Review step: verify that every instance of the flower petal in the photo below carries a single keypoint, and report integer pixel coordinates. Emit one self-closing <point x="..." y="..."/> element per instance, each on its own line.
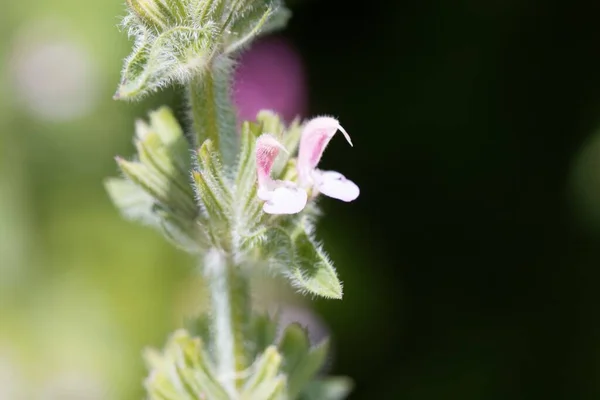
<point x="281" y="197"/>
<point x="334" y="184"/>
<point x="267" y="149"/>
<point x="315" y="136"/>
<point x="285" y="199"/>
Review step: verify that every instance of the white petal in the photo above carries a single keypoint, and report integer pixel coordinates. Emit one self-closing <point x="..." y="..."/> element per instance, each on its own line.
<point x="334" y="184"/>
<point x="264" y="192"/>
<point x="286" y="200"/>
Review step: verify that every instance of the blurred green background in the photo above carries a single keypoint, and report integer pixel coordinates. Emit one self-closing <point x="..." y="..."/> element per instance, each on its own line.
<point x="470" y="261"/>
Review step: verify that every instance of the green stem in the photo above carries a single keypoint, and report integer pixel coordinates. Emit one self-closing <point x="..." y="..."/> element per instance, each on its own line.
<point x="212" y="111"/>
<point x="230" y="297"/>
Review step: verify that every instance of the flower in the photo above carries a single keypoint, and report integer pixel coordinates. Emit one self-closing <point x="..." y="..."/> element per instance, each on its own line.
<point x="281" y="197"/>
<point x="316" y="135"/>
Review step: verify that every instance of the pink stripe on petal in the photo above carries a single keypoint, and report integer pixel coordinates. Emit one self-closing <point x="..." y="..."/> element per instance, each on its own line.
<point x="267" y="150"/>
<point x="315" y="137"/>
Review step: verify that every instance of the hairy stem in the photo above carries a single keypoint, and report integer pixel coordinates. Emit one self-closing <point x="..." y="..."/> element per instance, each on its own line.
<point x="229" y="316"/>
<point x="212" y="111"/>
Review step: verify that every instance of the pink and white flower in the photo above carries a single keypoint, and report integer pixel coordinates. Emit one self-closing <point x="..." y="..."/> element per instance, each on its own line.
<point x="280" y="197"/>
<point x="316" y="135"/>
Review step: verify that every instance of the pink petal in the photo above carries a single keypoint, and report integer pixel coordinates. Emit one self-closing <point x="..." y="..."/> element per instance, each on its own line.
<point x="315" y="136"/>
<point x="334" y="184"/>
<point x="286" y="199"/>
<point x="281" y="197"/>
<point x="267" y="149"/>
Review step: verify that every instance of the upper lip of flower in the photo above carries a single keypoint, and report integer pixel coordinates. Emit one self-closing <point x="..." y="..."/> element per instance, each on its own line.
<point x="315" y="137"/>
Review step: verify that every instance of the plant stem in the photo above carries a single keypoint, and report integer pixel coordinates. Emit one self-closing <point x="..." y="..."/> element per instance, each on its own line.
<point x="230" y="309"/>
<point x="212" y="111"/>
<point x="214" y="118"/>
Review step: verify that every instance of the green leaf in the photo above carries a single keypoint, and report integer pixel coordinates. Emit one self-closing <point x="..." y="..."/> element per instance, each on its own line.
<point x="133" y="203"/>
<point x="307" y="368"/>
<point x="135" y="75"/>
<point x="250" y="206"/>
<point x="312" y="271"/>
<point x="263" y="330"/>
<point x="211" y="188"/>
<point x="171" y="134"/>
<point x="185" y="233"/>
<point x="331" y="388"/>
<point x="194" y="365"/>
<point x="182" y="371"/>
<point x="271" y="245"/>
<point x="165" y="147"/>
<point x="137" y="205"/>
<point x="301" y="363"/>
<point x="155" y="13"/>
<point x="243" y="35"/>
<point x="210" y="201"/>
<point x="161" y="188"/>
<point x="259" y="18"/>
<point x="157" y="158"/>
<point x="280" y="249"/>
<point x="271" y="122"/>
<point x="278" y="20"/>
<point x="274" y="389"/>
<point x="294" y="345"/>
<point x="174" y="56"/>
<point x="279" y="391"/>
<point x="158" y="191"/>
<point x="263" y="381"/>
<point x="209" y="163"/>
<point x="178" y="10"/>
<point x="209" y="10"/>
<point x="298" y="258"/>
<point x="246" y="164"/>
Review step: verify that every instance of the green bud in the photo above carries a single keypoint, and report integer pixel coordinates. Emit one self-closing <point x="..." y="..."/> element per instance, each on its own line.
<point x="158" y="190"/>
<point x="264" y="378"/>
<point x="157" y="14"/>
<point x="263" y="330"/>
<point x="282" y="371"/>
<point x="174" y="56"/>
<point x="177" y="40"/>
<point x="182" y="371"/>
<point x="301" y="362"/>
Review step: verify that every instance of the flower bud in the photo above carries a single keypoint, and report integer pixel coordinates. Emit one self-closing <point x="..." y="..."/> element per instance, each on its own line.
<point x="177" y="40"/>
<point x="158" y="14"/>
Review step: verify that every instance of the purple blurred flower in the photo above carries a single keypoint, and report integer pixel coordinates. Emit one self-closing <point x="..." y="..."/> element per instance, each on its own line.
<point x="270" y="76"/>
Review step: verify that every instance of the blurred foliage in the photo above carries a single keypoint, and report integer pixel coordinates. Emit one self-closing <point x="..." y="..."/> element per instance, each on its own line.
<point x="82" y="291"/>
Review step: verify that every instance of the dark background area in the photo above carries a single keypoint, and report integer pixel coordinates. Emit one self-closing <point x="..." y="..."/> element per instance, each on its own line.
<point x="478" y="279"/>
